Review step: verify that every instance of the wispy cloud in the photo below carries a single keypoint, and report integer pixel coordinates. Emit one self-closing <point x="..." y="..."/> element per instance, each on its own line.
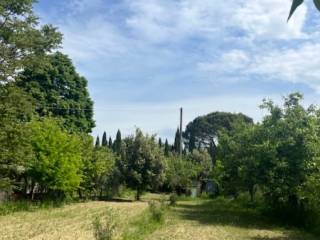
<point x="186" y="52"/>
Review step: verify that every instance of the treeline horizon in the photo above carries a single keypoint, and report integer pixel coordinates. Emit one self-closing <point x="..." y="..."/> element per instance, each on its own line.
<point x="47" y="152"/>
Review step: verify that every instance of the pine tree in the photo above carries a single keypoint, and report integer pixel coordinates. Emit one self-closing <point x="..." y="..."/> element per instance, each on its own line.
<point x="110" y="143"/>
<point x="176" y="146"/>
<point x="117" y="143"/>
<point x="166" y="148"/>
<point x="104" y="140"/>
<point x="160" y="143"/>
<point x="97" y="142"/>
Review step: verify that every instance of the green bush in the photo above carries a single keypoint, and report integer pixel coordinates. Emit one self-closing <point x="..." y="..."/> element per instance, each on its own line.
<point x="105" y="229"/>
<point x="157" y="210"/>
<point x="9" y="207"/>
<point x="147" y="222"/>
<point x="173" y="199"/>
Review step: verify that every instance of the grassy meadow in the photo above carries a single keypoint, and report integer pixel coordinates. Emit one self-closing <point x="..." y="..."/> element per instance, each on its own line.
<point x="187" y="220"/>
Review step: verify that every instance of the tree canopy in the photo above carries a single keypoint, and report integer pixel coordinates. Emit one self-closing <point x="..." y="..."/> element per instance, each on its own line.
<point x="143" y="162"/>
<point x="59" y="91"/>
<point x="22" y="41"/>
<point x="203" y="131"/>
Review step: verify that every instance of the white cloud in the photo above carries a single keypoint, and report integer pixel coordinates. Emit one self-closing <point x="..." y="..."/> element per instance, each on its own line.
<point x="296" y="65"/>
<point x="166" y="20"/>
<point x="293" y="65"/>
<point x="229" y="61"/>
<point x="91" y="39"/>
<point x="267" y="19"/>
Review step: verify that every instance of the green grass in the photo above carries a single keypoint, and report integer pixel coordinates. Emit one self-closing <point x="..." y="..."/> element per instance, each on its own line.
<point x="147" y="222"/>
<point x="223" y="219"/>
<point x="8" y="207"/>
<point x="204" y="219"/>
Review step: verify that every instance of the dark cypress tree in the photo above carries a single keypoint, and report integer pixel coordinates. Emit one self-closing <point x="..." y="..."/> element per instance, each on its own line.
<point x="166" y="148"/>
<point x="104" y="140"/>
<point x="192" y="142"/>
<point x="176" y="146"/>
<point x="117" y="143"/>
<point x="160" y="143"/>
<point x="97" y="142"/>
<point x="110" y="142"/>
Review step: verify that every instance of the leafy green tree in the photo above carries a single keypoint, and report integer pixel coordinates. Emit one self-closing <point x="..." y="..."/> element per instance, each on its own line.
<point x="202" y="162"/>
<point x="280" y="154"/>
<point x="117" y="143"/>
<point x="16" y="109"/>
<point x="87" y="148"/>
<point x="160" y="142"/>
<point x="180" y="173"/>
<point x="55" y="169"/>
<point x="239" y="152"/>
<point x="203" y="131"/>
<point x="293" y="130"/>
<point x="103" y="163"/>
<point x="97" y="142"/>
<point x="110" y="143"/>
<point x="166" y="148"/>
<point x="22" y="41"/>
<point x="59" y="91"/>
<point x="192" y="142"/>
<point x="104" y="140"/>
<point x="176" y="145"/>
<point x="143" y="165"/>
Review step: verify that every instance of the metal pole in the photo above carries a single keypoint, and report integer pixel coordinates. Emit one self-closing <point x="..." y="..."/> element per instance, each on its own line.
<point x="180" y="147"/>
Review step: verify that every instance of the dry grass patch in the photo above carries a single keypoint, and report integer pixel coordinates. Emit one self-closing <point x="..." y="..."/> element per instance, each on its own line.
<point x="70" y="222"/>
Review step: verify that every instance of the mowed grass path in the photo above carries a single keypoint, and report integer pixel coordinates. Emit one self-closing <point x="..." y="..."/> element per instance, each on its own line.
<point x="217" y="220"/>
<point x="189" y="220"/>
<point x="72" y="222"/>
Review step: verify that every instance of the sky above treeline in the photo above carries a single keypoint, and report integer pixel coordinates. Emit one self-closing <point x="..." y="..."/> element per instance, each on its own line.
<point x="144" y="59"/>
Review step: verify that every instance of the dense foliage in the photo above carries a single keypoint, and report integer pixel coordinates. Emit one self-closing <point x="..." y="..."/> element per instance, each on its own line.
<point x="142" y="163"/>
<point x="202" y="133"/>
<point x="280" y="157"/>
<point x="22" y="41"/>
<point x="59" y="91"/>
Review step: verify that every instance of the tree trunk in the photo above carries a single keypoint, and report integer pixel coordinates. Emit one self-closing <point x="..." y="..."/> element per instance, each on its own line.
<point x="79" y="193"/>
<point x="32" y="190"/>
<point x="138" y="194"/>
<point x="252" y="193"/>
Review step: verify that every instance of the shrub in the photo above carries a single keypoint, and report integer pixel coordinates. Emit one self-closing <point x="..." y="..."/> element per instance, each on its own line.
<point x="105" y="230"/>
<point x="173" y="199"/>
<point x="157" y="210"/>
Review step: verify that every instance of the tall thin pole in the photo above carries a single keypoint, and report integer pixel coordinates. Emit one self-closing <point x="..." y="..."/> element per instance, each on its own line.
<point x="180" y="145"/>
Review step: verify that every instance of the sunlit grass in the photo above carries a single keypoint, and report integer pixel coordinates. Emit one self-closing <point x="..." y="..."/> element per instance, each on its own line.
<point x="222" y="220"/>
<point x="72" y="221"/>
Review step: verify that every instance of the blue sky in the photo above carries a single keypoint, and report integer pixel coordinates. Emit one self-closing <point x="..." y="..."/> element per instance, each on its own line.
<point x="145" y="58"/>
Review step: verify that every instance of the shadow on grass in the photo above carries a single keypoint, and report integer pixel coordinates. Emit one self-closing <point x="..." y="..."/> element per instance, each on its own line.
<point x="222" y="212"/>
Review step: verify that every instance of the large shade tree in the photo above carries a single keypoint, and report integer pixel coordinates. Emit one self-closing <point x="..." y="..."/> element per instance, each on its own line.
<point x="203" y="132"/>
<point x="16" y="109"/>
<point x="22" y="41"/>
<point x="60" y="92"/>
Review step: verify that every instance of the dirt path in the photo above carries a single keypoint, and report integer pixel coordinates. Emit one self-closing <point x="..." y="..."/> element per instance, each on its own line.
<point x="206" y="221"/>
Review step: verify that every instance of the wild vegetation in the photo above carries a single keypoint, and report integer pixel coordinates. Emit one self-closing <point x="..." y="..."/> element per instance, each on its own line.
<point x="48" y="157"/>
